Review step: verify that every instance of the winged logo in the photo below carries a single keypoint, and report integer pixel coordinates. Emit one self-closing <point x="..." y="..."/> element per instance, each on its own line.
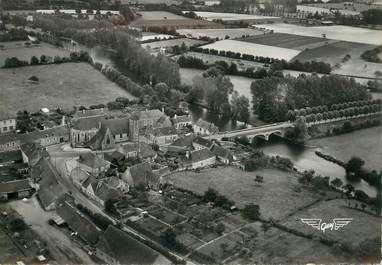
<point x="317" y="223"/>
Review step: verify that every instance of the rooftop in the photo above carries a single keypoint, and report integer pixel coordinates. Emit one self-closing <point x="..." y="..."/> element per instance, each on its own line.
<point x="14" y="186"/>
<point x="92" y="160"/>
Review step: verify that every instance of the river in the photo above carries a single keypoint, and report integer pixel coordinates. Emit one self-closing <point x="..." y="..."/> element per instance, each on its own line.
<point x="364" y="143"/>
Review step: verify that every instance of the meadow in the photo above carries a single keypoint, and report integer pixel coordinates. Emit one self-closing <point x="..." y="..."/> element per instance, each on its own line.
<point x="219" y="33"/>
<point x="64" y="85"/>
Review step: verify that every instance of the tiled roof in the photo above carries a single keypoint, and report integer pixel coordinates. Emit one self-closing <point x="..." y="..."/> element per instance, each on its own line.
<point x="200" y="155"/>
<point x="207" y="126"/>
<point x="58" y="131"/>
<point x="221" y="152"/>
<point x="8" y="137"/>
<point x="95" y="142"/>
<point x="92" y="160"/>
<point x="90" y="123"/>
<point x="145" y="150"/>
<point x="183" y="141"/>
<point x="104" y="192"/>
<point x="34" y="151"/>
<point x="202" y="141"/>
<point x="117" y="126"/>
<point x="147" y="114"/>
<point x="88" y="113"/>
<point x="182" y="118"/>
<point x="163" y="131"/>
<point x="10" y="156"/>
<point x="14" y="186"/>
<point x="78" y="222"/>
<point x="125" y="249"/>
<point x="140" y="173"/>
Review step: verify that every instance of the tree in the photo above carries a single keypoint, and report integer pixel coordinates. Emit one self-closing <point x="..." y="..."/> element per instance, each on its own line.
<point x="210" y="195"/>
<point x="251" y="212"/>
<point x="34" y="60"/>
<point x="336" y="183"/>
<point x="240" y="107"/>
<point x="354" y="165"/>
<point x="219" y="228"/>
<point x="168" y="238"/>
<point x="24" y="121"/>
<point x="299" y="133"/>
<point x="17" y="225"/>
<point x="109" y="207"/>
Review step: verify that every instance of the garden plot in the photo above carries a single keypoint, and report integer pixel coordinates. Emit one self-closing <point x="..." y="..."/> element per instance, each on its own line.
<point x="219" y="33"/>
<point x="253" y="49"/>
<point x="343" y="33"/>
<point x="279" y="195"/>
<point x="230" y="16"/>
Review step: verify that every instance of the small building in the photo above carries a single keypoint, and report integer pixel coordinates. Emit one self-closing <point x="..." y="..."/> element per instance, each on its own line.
<point x="182" y="121"/>
<point x="9" y="142"/>
<point x="163" y="135"/>
<point x="138" y="175"/>
<point x="7" y="124"/>
<point x="143" y="151"/>
<point x="202" y="127"/>
<point x="81" y="225"/>
<point x="10" y="158"/>
<point x="222" y="154"/>
<point x="181" y="145"/>
<point x="200" y="143"/>
<point x="32" y="153"/>
<point x="92" y="163"/>
<point x="17" y="189"/>
<point x="56" y="135"/>
<point x="198" y="159"/>
<point x="117" y="247"/>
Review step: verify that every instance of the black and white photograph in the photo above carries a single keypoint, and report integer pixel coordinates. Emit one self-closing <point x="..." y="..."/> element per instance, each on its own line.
<point x="190" y="132"/>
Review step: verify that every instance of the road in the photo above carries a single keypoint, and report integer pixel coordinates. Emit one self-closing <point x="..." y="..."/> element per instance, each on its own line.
<point x="62" y="248"/>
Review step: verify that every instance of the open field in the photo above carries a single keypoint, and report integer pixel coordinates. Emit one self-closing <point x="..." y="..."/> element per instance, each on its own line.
<point x="278" y="196"/>
<point x="64" y="85"/>
<point x="343" y="33"/>
<point x="9" y="253"/>
<point x="219" y="33"/>
<point x="288" y="41"/>
<point x="19" y="50"/>
<point x="173" y="42"/>
<point x="253" y="49"/>
<point x="231" y="16"/>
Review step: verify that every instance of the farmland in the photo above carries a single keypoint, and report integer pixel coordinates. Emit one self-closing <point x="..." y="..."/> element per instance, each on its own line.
<point x="231" y="16"/>
<point x="342" y="33"/>
<point x="173" y="42"/>
<point x="253" y="49"/>
<point x="157" y="15"/>
<point x="288" y="41"/>
<point x="219" y="33"/>
<point x="63" y="85"/>
<point x="19" y="50"/>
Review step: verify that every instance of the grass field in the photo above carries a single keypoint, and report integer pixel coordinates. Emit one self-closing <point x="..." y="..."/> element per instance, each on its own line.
<point x="288" y="41"/>
<point x="19" y="50"/>
<point x="64" y="85"/>
<point x="155" y="15"/>
<point x="278" y="196"/>
<point x="342" y="33"/>
<point x="173" y="42"/>
<point x="219" y="33"/>
<point x="363" y="227"/>
<point x="253" y="49"/>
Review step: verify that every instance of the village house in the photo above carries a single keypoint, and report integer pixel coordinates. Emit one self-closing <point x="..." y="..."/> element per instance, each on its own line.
<point x="200" y="143"/>
<point x="10" y="158"/>
<point x="7" y="124"/>
<point x="92" y="163"/>
<point x="114" y="158"/>
<point x="116" y="247"/>
<point x="222" y="154"/>
<point x="197" y="159"/>
<point x="84" y="228"/>
<point x="56" y="135"/>
<point x="202" y="127"/>
<point x="182" y="121"/>
<point x="49" y="190"/>
<point x="163" y="135"/>
<point x="9" y="142"/>
<point x="181" y="145"/>
<point x="17" y="189"/>
<point x="32" y="153"/>
<point x="141" y="150"/>
<point x="138" y="175"/>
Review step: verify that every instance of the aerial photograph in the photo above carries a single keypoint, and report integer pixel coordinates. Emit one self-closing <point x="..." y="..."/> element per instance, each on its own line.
<point x="190" y="132"/>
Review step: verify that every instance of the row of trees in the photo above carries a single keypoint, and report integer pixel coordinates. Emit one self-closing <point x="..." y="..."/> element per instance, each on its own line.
<point x="372" y="55"/>
<point x="14" y="35"/>
<point x="14" y="62"/>
<point x="313" y="66"/>
<point x="274" y="96"/>
<point x="348" y="112"/>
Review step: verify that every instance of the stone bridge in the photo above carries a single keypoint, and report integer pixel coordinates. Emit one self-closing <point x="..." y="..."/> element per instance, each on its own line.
<point x="263" y="132"/>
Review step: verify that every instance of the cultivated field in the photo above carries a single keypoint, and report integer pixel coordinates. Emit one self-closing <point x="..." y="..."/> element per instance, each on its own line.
<point x="253" y="49"/>
<point x="343" y="33"/>
<point x="231" y="16"/>
<point x="63" y="85"/>
<point x="173" y="42"/>
<point x="19" y="50"/>
<point x="156" y="15"/>
<point x="219" y="33"/>
<point x="288" y="41"/>
<point x="278" y="196"/>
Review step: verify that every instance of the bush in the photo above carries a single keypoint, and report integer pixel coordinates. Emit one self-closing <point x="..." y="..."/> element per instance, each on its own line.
<point x="17" y="225"/>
